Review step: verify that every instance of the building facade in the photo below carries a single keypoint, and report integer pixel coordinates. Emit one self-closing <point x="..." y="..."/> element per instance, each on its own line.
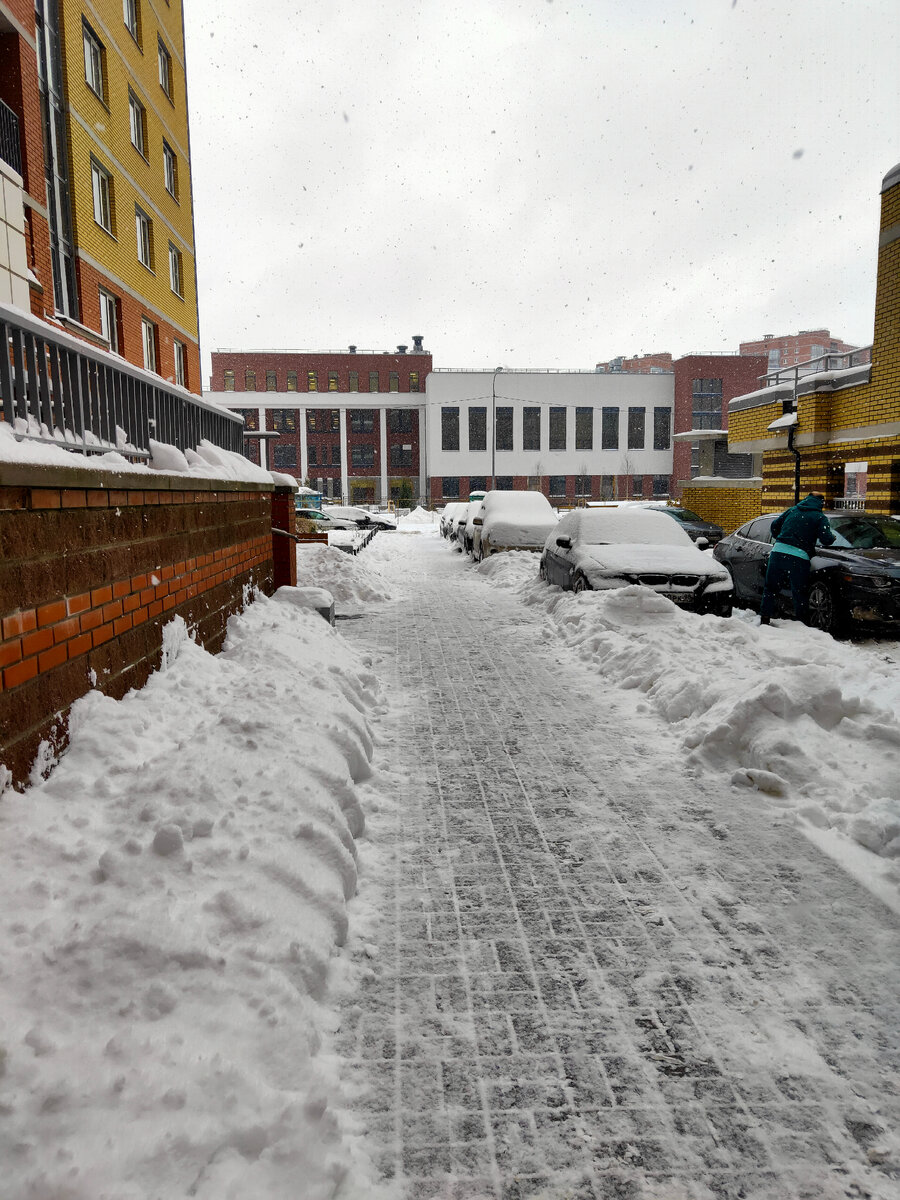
<point x="791" y="349"/>
<point x="348" y="422"/>
<point x="99" y="96"/>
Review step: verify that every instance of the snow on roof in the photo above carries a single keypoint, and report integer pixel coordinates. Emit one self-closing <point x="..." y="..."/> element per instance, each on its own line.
<point x="516" y="504"/>
<point x="784" y="422"/>
<point x="647" y="526"/>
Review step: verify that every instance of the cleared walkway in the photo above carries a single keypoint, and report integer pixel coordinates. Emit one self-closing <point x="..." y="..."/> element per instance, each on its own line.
<point x="598" y="978"/>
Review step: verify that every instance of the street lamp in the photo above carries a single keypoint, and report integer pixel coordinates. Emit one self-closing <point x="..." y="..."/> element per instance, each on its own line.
<point x="494" y="427"/>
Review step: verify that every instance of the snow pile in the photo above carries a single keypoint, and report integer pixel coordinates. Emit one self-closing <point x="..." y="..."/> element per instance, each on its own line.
<point x="811" y="723"/>
<point x="172" y="896"/>
<point x="354" y="581"/>
<point x="420" y="516"/>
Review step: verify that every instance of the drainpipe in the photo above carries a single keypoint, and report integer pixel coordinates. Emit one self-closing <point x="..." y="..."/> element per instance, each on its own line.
<point x="796" y="453"/>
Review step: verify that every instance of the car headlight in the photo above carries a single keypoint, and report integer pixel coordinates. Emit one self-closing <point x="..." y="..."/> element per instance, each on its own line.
<point x="872" y="581"/>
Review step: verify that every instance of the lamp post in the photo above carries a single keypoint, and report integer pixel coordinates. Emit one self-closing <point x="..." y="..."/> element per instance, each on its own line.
<point x="494" y="427"/>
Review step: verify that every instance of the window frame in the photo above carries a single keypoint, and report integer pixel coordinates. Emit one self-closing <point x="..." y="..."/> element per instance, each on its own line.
<point x="362" y="451"/>
<point x="109" y="303"/>
<point x="132" y="8"/>
<point x="164" y="60"/>
<point x="531" y="418"/>
<point x="95" y="65"/>
<point x="558" y="413"/>
<point x="504" y="422"/>
<point x="179" y="350"/>
<point x="149" y="334"/>
<point x="662" y="428"/>
<point x="137" y="120"/>
<point x="271" y="381"/>
<point x="143" y="232"/>
<point x="170" y="160"/>
<point x="477" y="428"/>
<point x="637" y="420"/>
<point x="99" y="174"/>
<point x="449" y="417"/>
<point x="176" y="271"/>
<point x="584" y="428"/>
<point x="610" y="416"/>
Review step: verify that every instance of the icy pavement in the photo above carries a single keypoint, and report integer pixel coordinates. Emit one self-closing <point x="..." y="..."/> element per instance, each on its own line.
<point x="599" y="973"/>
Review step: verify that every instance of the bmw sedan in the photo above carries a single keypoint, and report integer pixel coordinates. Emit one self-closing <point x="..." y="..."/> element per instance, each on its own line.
<point x="693" y="525"/>
<point x="597" y="548"/>
<point x="855" y="580"/>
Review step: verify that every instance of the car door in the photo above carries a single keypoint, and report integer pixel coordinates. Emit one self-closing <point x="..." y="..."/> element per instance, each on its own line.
<point x="558" y="566"/>
<point x="756" y="557"/>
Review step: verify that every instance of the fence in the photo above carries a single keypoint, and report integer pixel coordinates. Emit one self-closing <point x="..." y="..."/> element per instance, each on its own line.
<point x="60" y="391"/>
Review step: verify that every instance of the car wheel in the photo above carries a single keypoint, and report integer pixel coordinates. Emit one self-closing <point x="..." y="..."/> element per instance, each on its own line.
<point x="581" y="584"/>
<point x="824" y="612"/>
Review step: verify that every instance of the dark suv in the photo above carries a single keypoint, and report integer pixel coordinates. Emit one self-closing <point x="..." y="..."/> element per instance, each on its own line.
<point x="857" y="579"/>
<point x="694" y="526"/>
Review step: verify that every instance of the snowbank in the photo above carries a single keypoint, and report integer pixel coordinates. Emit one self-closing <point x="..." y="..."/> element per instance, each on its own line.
<point x="172" y="896"/>
<point x="419" y="516"/>
<point x="355" y="582"/>
<point x="807" y="723"/>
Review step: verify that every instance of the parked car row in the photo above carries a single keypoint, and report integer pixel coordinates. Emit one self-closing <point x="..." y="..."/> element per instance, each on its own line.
<point x="342" y="516"/>
<point x="854" y="582"/>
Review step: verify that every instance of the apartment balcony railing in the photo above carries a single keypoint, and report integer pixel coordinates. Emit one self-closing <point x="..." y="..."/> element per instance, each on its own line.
<point x="818" y="365"/>
<point x="850" y="503"/>
<point x="59" y="391"/>
<point x="10" y="146"/>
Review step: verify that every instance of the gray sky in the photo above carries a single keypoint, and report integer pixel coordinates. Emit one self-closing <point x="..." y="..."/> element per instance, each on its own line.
<point x="540" y="183"/>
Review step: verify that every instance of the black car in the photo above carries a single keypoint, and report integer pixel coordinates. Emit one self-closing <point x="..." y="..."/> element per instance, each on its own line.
<point x="692" y="525"/>
<point x="857" y="579"/>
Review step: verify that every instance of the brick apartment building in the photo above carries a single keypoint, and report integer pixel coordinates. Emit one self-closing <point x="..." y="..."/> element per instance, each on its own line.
<point x="94" y="122"/>
<point x="348" y="421"/>
<point x="791" y="349"/>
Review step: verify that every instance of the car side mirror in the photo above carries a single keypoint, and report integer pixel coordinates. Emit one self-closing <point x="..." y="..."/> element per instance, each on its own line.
<point x="477" y="521"/>
<point x="701" y="543"/>
<point x="565" y="542"/>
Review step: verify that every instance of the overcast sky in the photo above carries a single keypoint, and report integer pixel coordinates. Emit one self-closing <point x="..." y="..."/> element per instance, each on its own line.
<point x="538" y="183"/>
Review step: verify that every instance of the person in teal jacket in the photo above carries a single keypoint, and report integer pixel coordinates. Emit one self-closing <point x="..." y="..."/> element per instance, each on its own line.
<point x="796" y="532"/>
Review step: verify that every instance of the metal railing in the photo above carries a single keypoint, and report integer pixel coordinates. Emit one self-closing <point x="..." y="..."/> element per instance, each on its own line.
<point x="10" y="145"/>
<point x="850" y="503"/>
<point x="861" y="356"/>
<point x="59" y="391"/>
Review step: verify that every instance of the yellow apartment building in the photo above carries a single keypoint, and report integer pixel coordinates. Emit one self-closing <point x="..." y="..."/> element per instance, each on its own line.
<point x="129" y="180"/>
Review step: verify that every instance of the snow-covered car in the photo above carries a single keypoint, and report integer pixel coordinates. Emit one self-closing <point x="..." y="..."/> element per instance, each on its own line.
<point x="512" y="521"/>
<point x="467" y="533"/>
<point x="447" y="517"/>
<point x="463" y="515"/>
<point x="363" y="518"/>
<point x="323" y="521"/>
<point x="598" y="548"/>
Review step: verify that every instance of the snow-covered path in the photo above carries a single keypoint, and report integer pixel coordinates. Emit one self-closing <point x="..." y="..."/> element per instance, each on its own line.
<point x="599" y="974"/>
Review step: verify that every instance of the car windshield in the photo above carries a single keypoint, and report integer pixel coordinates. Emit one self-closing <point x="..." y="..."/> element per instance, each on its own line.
<point x="855" y="532"/>
<point x="682" y="514"/>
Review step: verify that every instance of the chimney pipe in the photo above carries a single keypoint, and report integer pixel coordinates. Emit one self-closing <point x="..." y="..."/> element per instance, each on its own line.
<point x="401" y="349"/>
<point x="418" y="338"/>
<point x="352" y="349"/>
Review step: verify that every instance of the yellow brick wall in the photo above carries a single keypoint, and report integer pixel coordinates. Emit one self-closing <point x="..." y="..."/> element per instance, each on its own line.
<point x="729" y="507"/>
<point x="102" y="129"/>
<point x="752" y="423"/>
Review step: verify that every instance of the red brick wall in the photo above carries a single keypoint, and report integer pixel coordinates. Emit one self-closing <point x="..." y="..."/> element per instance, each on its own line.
<point x="92" y="565"/>
<point x="343" y="363"/>
<point x="131" y="346"/>
<point x="739" y="374"/>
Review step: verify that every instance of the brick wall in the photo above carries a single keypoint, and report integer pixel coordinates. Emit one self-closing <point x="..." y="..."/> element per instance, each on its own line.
<point x="729" y="506"/>
<point x="93" y="565"/>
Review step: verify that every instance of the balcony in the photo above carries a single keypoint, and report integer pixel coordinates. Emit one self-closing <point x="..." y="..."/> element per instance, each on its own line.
<point x="10" y="146"/>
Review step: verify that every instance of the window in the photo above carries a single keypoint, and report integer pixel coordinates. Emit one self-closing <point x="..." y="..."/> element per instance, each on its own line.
<point x="109" y="319"/>
<point x="477" y="483"/>
<point x="584" y="429"/>
<point x="414" y="381"/>
<point x="583" y="485"/>
<point x="395" y="382"/>
<point x="504" y="428"/>
<point x="271" y="382"/>
<point x="557" y="485"/>
<point x="662" y="428"/>
<point x="143" y="228"/>
<point x="131" y="17"/>
<point x="148" y="336"/>
<point x="450" y="485"/>
<point x="531" y="429"/>
<point x="251" y="417"/>
<point x="180" y="363"/>
<point x="101" y="183"/>
<point x="284" y="420"/>
<point x="661" y="484"/>
<point x="94" y="61"/>
<point x="400" y="421"/>
<point x="478" y="429"/>
<point x="249" y="381"/>
<point x="165" y="68"/>
<point x="311" y="422"/>
<point x="312" y="455"/>
<point x="335" y="456"/>
<point x="609" y="437"/>
<point x="176" y="280"/>
<point x="335" y="419"/>
<point x="504" y="483"/>
<point x="557" y="429"/>
<point x="607" y="487"/>
<point x="401" y="455"/>
<point x="450" y="435"/>
<point x="284" y="456"/>
<point x="354" y="381"/>
<point x="373" y="381"/>
<point x="362" y="421"/>
<point x="137" y="116"/>
<point x="312" y="381"/>
<point x="229" y="381"/>
<point x="706" y="404"/>
<point x="170" y="170"/>
<point x="636" y="428"/>
<point x="362" y="456"/>
<point x="292" y="381"/>
<point x="637" y="485"/>
<point x="332" y="381"/>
